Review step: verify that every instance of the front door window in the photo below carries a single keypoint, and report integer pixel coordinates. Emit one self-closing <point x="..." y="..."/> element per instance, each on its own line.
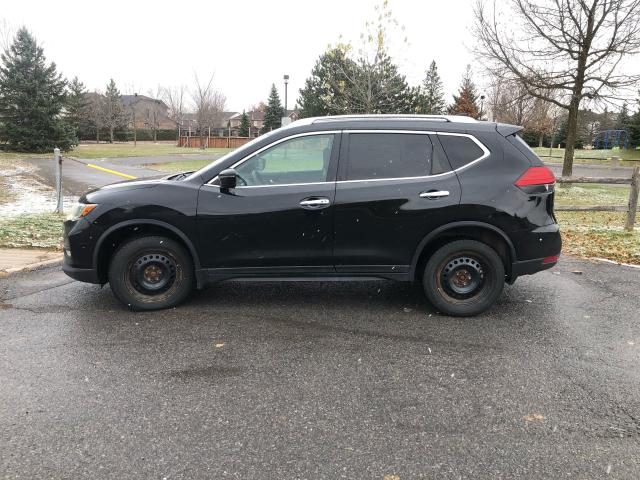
<point x="298" y="160"/>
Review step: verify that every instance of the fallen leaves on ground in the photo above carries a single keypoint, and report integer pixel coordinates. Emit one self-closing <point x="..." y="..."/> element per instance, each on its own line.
<point x="533" y="417"/>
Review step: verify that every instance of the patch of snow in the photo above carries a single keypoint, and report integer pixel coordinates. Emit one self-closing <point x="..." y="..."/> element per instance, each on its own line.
<point x="31" y="196"/>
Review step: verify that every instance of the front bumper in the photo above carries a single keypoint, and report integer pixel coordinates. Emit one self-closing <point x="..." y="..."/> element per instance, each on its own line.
<point x="88" y="275"/>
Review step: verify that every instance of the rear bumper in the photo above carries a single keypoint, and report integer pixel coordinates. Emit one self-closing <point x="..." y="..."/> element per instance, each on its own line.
<point x="88" y="275"/>
<point x="529" y="267"/>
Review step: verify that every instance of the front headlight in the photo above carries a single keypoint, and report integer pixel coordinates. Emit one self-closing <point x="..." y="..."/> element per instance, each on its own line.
<point x="80" y="210"/>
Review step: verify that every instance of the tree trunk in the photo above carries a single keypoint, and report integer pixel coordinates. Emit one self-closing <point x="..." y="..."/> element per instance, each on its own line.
<point x="155" y="135"/>
<point x="110" y="134"/>
<point x="572" y="123"/>
<point x="541" y="140"/>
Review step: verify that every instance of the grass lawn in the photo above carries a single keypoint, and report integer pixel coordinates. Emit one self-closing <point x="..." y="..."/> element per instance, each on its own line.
<point x="587" y="156"/>
<point x="143" y="149"/>
<point x="589" y="194"/>
<point x="32" y="231"/>
<point x="182" y="166"/>
<point x="599" y="234"/>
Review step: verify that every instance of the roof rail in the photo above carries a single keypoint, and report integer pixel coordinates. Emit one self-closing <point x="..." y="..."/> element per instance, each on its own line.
<point x="438" y="118"/>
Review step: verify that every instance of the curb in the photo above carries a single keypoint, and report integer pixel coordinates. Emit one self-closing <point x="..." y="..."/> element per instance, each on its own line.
<point x="613" y="262"/>
<point x="30" y="267"/>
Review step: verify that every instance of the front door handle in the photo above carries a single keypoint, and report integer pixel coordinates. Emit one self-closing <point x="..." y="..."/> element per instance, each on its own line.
<point x="433" y="194"/>
<point x="315" y="203"/>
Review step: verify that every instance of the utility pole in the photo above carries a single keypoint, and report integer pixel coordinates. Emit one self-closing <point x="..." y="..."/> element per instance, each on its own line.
<point x="133" y="110"/>
<point x="57" y="159"/>
<point x="285" y="117"/>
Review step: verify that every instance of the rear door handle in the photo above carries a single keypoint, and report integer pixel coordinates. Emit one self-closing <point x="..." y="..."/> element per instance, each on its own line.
<point x="315" y="203"/>
<point x="433" y="194"/>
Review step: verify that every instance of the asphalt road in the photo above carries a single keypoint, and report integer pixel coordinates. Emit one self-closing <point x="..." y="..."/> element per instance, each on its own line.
<point x="79" y="178"/>
<point x="318" y="380"/>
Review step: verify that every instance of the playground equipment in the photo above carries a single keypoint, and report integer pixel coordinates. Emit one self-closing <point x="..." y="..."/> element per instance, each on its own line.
<point x="611" y="138"/>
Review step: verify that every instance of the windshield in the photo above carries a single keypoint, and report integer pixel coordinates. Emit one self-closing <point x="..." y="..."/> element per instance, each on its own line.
<point x="246" y="147"/>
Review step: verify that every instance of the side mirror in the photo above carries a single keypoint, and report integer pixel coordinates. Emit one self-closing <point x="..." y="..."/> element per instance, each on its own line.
<point x="228" y="178"/>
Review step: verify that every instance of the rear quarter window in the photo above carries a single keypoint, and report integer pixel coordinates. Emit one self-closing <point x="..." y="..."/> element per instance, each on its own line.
<point x="523" y="148"/>
<point x="460" y="150"/>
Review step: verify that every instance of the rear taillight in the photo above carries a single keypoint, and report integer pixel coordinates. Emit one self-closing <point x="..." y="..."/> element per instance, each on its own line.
<point x="535" y="176"/>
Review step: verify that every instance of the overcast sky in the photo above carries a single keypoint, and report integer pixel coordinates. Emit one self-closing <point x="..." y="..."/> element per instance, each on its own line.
<point x="247" y="45"/>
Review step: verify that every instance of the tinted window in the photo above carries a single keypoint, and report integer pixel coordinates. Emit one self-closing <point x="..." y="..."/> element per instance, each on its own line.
<point x="439" y="162"/>
<point x="388" y="155"/>
<point x="299" y="160"/>
<point x="460" y="150"/>
<point x="521" y="145"/>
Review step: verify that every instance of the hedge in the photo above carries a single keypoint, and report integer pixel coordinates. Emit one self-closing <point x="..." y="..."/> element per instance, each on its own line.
<point x="127" y="135"/>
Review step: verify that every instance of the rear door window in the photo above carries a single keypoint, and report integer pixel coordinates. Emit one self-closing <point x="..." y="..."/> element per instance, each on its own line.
<point x="460" y="150"/>
<point x="388" y="155"/>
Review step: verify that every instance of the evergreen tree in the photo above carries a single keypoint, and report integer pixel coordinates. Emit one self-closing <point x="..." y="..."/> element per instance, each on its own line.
<point x="114" y="115"/>
<point x="560" y="135"/>
<point x="465" y="103"/>
<point x="274" y="112"/>
<point x="378" y="87"/>
<point x="32" y="96"/>
<point x="324" y="92"/>
<point x="633" y="128"/>
<point x="244" y="124"/>
<point x="623" y="118"/>
<point x="431" y="99"/>
<point x="76" y="110"/>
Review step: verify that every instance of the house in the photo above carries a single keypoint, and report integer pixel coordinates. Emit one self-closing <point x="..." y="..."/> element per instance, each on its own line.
<point x="256" y="121"/>
<point x="219" y="125"/>
<point x="148" y="111"/>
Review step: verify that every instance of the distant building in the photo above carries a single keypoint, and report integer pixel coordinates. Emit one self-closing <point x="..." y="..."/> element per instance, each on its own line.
<point x="256" y="121"/>
<point x="148" y="111"/>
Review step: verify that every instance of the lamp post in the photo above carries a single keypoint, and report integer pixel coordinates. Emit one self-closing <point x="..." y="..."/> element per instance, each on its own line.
<point x="133" y="111"/>
<point x="286" y="83"/>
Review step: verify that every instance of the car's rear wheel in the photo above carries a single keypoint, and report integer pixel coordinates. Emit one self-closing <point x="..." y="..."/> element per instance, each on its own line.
<point x="151" y="273"/>
<point x="463" y="278"/>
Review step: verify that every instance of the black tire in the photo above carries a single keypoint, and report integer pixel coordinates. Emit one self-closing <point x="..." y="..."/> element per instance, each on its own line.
<point x="151" y="273"/>
<point x="463" y="278"/>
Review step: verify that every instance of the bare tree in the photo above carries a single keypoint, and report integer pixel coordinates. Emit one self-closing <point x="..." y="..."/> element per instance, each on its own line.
<point x="155" y="111"/>
<point x="562" y="51"/>
<point x="208" y="104"/>
<point x="6" y="34"/>
<point x="95" y="112"/>
<point x="175" y="99"/>
<point x="510" y="102"/>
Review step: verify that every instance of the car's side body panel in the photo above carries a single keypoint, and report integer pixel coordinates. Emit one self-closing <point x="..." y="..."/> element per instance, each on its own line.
<point x="370" y="228"/>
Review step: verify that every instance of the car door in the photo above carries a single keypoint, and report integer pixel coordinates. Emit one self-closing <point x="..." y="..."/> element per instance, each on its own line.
<point x="393" y="188"/>
<point x="279" y="218"/>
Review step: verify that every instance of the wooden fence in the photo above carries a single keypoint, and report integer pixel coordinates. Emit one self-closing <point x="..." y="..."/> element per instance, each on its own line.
<point x="631" y="208"/>
<point x="212" y="142"/>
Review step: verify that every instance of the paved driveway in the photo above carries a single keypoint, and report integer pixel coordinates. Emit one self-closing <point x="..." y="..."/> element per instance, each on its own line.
<point x="318" y="380"/>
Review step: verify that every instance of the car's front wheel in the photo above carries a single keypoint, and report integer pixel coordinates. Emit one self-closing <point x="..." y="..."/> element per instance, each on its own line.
<point x="151" y="273"/>
<point x="463" y="278"/>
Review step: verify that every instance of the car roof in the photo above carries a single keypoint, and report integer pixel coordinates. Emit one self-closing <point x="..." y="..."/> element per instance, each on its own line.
<point x="392" y="122"/>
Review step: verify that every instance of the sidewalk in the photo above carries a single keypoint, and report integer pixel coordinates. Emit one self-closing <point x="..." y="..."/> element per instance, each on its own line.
<point x="17" y="259"/>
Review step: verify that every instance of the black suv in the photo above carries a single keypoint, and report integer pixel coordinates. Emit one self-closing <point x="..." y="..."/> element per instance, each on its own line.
<point x="459" y="205"/>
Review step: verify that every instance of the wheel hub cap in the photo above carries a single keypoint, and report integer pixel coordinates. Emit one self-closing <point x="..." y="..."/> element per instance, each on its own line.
<point x="462" y="276"/>
<point x="153" y="273"/>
